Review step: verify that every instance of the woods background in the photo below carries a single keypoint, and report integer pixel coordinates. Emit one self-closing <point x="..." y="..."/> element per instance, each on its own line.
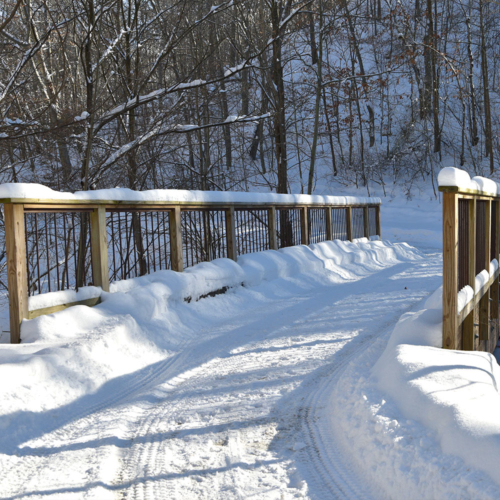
<point x="247" y="94"/>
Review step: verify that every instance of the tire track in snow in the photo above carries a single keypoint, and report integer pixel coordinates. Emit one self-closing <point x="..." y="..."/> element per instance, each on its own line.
<point x="167" y="389"/>
<point x="329" y="471"/>
<point x="326" y="464"/>
<point x="179" y="402"/>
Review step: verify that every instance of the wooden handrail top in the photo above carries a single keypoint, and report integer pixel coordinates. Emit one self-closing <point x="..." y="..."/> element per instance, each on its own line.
<point x="30" y="204"/>
<point x="469" y="192"/>
<point x="35" y="194"/>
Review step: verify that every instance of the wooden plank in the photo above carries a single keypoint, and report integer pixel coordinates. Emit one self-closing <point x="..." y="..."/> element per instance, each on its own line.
<point x="366" y="222"/>
<point x="378" y="221"/>
<point x="328" y="222"/>
<point x="465" y="191"/>
<point x="348" y="219"/>
<point x="273" y="238"/>
<point x="304" y="226"/>
<point x="53" y="209"/>
<point x="494" y="291"/>
<point x="468" y="331"/>
<point x="484" y="303"/>
<point x="34" y="203"/>
<point x="99" y="243"/>
<point x="450" y="270"/>
<point x="232" y="248"/>
<point x="176" y="240"/>
<point x="49" y="310"/>
<point x="16" y="268"/>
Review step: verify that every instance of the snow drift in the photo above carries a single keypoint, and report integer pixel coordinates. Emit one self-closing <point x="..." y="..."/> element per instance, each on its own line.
<point x="454" y="393"/>
<point x="416" y="417"/>
<point x="74" y="352"/>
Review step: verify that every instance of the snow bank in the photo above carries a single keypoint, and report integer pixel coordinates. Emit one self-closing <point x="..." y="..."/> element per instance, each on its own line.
<point x="37" y="191"/>
<point x="62" y="297"/>
<point x="454" y="394"/>
<point x="76" y="351"/>
<point x="451" y="176"/>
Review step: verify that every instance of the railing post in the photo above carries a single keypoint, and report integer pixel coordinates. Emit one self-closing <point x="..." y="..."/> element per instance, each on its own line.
<point x="273" y="238"/>
<point x="176" y="239"/>
<point x="348" y="220"/>
<point x="494" y="287"/>
<point x="232" y="252"/>
<point x="329" y="225"/>
<point x="17" y="278"/>
<point x="468" y="324"/>
<point x="304" y="227"/>
<point x="450" y="270"/>
<point x="366" y="222"/>
<point x="378" y="221"/>
<point x="484" y="302"/>
<point x="99" y="244"/>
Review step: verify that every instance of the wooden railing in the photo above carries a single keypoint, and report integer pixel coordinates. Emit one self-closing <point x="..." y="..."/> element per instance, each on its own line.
<point x="470" y="269"/>
<point x="55" y="245"/>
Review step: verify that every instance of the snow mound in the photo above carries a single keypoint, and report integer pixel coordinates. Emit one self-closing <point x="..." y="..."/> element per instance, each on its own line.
<point x="75" y="352"/>
<point x="452" y="393"/>
<point x="451" y="176"/>
<point x="63" y="297"/>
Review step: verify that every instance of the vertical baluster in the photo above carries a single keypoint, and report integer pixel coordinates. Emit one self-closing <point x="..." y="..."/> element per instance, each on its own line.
<point x="47" y="249"/>
<point x="176" y="239"/>
<point x="217" y="231"/>
<point x="259" y="230"/>
<point x="57" y="252"/>
<point x="119" y="246"/>
<point x="152" y="240"/>
<point x="113" y="249"/>
<point x="193" y="234"/>
<point x="66" y="254"/>
<point x="146" y="237"/>
<point x="74" y="245"/>
<point x="251" y="220"/>
<point x="27" y="255"/>
<point x="160" y="260"/>
<point x="165" y="241"/>
<point x="37" y="254"/>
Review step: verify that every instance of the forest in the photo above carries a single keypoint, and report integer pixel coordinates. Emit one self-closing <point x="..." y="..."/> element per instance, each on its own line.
<point x="263" y="95"/>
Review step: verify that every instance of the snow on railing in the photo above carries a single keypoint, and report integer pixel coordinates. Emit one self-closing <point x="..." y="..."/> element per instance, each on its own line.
<point x="471" y="218"/>
<point x="64" y="248"/>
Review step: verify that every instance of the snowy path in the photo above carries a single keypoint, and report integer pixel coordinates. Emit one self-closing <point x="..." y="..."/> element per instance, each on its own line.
<point x="235" y="412"/>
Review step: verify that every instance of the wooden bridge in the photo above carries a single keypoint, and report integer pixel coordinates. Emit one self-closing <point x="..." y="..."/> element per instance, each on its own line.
<point x="471" y="219"/>
<point x="66" y="244"/>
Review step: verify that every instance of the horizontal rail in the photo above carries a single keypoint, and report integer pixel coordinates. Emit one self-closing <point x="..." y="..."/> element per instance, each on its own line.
<point x="157" y="205"/>
<point x="469" y="307"/>
<point x="468" y="192"/>
<point x="60" y="307"/>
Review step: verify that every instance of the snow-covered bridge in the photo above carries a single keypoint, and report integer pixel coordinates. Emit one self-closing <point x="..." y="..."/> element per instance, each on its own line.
<point x="298" y="381"/>
<point x="59" y="242"/>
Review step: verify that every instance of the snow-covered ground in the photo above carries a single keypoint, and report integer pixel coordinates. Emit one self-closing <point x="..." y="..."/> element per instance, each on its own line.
<point x="208" y="399"/>
<point x="303" y="383"/>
